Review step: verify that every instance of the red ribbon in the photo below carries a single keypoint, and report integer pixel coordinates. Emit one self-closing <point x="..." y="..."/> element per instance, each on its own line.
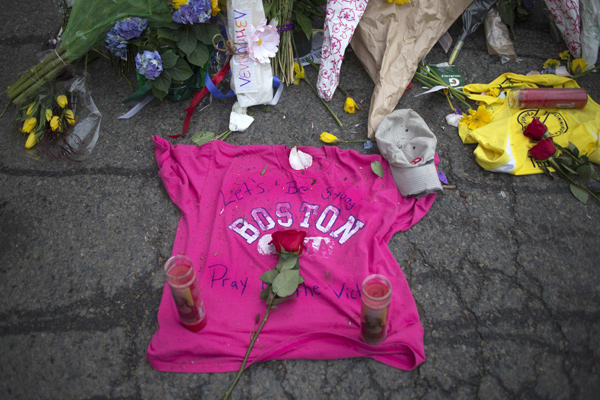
<point x="197" y="97"/>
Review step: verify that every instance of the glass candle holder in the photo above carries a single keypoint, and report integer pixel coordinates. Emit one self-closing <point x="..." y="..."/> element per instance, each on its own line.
<point x="183" y="283"/>
<point x="376" y="297"/>
<point x="548" y="98"/>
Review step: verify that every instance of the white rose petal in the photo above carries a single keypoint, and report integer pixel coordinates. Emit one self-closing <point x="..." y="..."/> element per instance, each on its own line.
<point x="453" y="119"/>
<point x="300" y="160"/>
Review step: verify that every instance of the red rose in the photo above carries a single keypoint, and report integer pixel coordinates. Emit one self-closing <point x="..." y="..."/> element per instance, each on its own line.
<point x="543" y="150"/>
<point x="289" y="241"/>
<point x="535" y="130"/>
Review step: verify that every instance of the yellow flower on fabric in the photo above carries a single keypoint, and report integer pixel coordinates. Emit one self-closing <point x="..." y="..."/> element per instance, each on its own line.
<point x="565" y="55"/>
<point x="494" y="92"/>
<point x="400" y="2"/>
<point x="578" y="66"/>
<point x="552" y="63"/>
<point x="350" y="105"/>
<point x="215" y="7"/>
<point x="179" y="3"/>
<point x="477" y="119"/>
<point x="29" y="125"/>
<point x="48" y="114"/>
<point x="62" y="100"/>
<point x="55" y="123"/>
<point x="298" y="73"/>
<point x="31" y="140"/>
<point x="327" y="137"/>
<point x="70" y="117"/>
<point x="30" y="108"/>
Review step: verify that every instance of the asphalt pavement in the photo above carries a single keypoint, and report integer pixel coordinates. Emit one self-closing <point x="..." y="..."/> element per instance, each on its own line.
<point x="503" y="269"/>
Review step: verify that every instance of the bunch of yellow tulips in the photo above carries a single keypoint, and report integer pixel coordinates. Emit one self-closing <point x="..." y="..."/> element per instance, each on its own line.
<point x="48" y="115"/>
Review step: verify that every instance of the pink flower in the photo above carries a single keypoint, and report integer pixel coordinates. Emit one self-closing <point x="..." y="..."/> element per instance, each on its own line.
<point x="262" y="42"/>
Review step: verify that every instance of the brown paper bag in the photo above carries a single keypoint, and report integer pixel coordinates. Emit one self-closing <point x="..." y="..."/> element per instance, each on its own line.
<point x="390" y="40"/>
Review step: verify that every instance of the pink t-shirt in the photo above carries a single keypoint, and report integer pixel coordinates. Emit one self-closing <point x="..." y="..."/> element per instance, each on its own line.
<point x="232" y="198"/>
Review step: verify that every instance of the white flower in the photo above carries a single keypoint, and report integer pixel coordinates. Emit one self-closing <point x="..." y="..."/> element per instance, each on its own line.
<point x="453" y="119"/>
<point x="300" y="160"/>
<point x="262" y="42"/>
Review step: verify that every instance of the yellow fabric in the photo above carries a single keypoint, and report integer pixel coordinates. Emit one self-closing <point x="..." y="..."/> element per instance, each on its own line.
<point x="502" y="147"/>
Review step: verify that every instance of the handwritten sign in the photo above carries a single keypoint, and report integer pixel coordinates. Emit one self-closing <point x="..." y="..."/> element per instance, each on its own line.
<point x="243" y="68"/>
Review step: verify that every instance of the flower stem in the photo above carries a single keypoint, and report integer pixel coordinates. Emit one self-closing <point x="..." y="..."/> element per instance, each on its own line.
<point x="254" y="337"/>
<point x="323" y="101"/>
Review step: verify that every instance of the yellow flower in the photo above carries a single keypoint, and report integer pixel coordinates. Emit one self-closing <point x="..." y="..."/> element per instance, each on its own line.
<point x="31" y="140"/>
<point x="48" y="114"/>
<point x="55" y="123"/>
<point x="298" y="73"/>
<point x="477" y="119"/>
<point x="402" y="1"/>
<point x="578" y="66"/>
<point x="494" y="92"/>
<point x="552" y="63"/>
<point x="215" y="7"/>
<point x="179" y="3"/>
<point x="70" y="117"/>
<point x="62" y="100"/>
<point x="350" y="105"/>
<point x="30" y="108"/>
<point x="29" y="125"/>
<point x="565" y="55"/>
<point x="327" y="137"/>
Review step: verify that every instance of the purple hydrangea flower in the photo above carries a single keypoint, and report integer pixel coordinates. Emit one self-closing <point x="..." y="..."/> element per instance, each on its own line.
<point x="194" y="12"/>
<point x="368" y="145"/>
<point x="131" y="28"/>
<point x="149" y="64"/>
<point x="124" y="30"/>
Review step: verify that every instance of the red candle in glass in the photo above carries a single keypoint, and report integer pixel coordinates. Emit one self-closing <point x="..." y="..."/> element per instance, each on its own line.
<point x="183" y="283"/>
<point x="548" y="98"/>
<point x="376" y="297"/>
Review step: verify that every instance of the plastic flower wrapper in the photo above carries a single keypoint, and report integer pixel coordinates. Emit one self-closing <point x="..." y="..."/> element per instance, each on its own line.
<point x="149" y="64"/>
<point x="88" y="24"/>
<point x="194" y="12"/>
<point x="262" y="42"/>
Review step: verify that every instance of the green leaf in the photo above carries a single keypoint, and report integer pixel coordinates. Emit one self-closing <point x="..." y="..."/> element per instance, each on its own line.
<point x="574" y="149"/>
<point x="506" y="9"/>
<point x="289" y="263"/>
<point x="160" y="86"/>
<point x="281" y="300"/>
<point x="187" y="42"/>
<point x="269" y="276"/>
<point x="181" y="71"/>
<point x="169" y="60"/>
<point x="377" y="168"/>
<point x="204" y="33"/>
<point x="300" y="280"/>
<point x="305" y="24"/>
<point x="286" y="283"/>
<point x="202" y="137"/>
<point x="579" y="193"/>
<point x="264" y="169"/>
<point x="267" y="5"/>
<point x="199" y="56"/>
<point x="169" y="34"/>
<point x="265" y="293"/>
<point x="546" y="171"/>
<point x="586" y="171"/>
<point x="569" y="170"/>
<point x="159" y="94"/>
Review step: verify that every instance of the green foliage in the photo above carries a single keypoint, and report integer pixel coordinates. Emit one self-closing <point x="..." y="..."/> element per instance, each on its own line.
<point x="202" y="137"/>
<point x="576" y="169"/>
<point x="377" y="168"/>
